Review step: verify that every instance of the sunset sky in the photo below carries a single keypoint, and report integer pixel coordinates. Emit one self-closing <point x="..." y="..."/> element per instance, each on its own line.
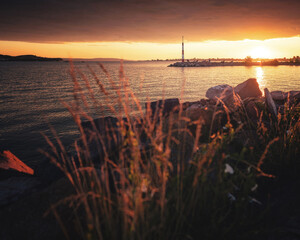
<point x="141" y="29"/>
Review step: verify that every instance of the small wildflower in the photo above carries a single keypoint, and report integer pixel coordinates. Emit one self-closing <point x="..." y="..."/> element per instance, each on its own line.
<point x="254" y="188"/>
<point x="231" y="197"/>
<point x="253" y="200"/>
<point x="228" y="169"/>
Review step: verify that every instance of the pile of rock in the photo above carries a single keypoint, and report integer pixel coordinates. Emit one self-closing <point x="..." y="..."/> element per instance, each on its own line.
<point x="222" y="99"/>
<point x="223" y="102"/>
<point x="109" y="135"/>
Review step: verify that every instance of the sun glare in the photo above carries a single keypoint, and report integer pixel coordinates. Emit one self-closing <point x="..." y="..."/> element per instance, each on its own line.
<point x="271" y="48"/>
<point x="260" y="52"/>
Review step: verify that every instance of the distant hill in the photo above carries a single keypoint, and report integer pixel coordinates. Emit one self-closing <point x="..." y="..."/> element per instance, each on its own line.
<point x="27" y="58"/>
<point x="96" y="59"/>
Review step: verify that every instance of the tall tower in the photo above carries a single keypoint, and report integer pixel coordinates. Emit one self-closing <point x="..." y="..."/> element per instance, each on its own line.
<point x="182" y="50"/>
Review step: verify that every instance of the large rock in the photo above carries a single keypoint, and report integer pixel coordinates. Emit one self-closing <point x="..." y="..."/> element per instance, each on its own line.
<point x="249" y="88"/>
<point x="9" y="161"/>
<point x="102" y="125"/>
<point x="208" y="116"/>
<point x="225" y="94"/>
<point x="271" y="106"/>
<point x="197" y="111"/>
<point x="295" y="97"/>
<point x="108" y="134"/>
<point x="167" y="106"/>
<point x="252" y="110"/>
<point x="202" y="102"/>
<point x="251" y="106"/>
<point x="295" y="94"/>
<point x="279" y="95"/>
<point x="103" y="135"/>
<point x="219" y="91"/>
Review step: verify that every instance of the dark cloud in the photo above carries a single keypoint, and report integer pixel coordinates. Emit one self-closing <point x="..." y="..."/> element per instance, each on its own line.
<point x="141" y="20"/>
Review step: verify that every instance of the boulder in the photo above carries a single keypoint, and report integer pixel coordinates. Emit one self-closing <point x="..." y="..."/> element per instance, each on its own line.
<point x="294" y="97"/>
<point x="110" y="137"/>
<point x="206" y="114"/>
<point x="219" y="91"/>
<point x="107" y="135"/>
<point x="226" y="94"/>
<point x="254" y="106"/>
<point x="279" y="95"/>
<point x="271" y="106"/>
<point x="47" y="172"/>
<point x="249" y="88"/>
<point x="167" y="106"/>
<point x="204" y="102"/>
<point x="186" y="105"/>
<point x="197" y="111"/>
<point x="9" y="161"/>
<point x="294" y="94"/>
<point x="212" y="102"/>
<point x="252" y="110"/>
<point x="102" y="125"/>
<point x="109" y="130"/>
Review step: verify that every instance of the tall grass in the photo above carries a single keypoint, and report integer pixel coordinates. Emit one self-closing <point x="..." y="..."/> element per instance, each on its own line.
<point x="151" y="176"/>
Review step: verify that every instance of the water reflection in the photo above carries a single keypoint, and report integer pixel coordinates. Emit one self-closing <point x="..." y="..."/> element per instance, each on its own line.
<point x="183" y="85"/>
<point x="260" y="78"/>
<point x="182" y="72"/>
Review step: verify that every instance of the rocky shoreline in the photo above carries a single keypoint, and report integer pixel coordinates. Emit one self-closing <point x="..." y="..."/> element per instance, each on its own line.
<point x="19" y="183"/>
<point x="224" y="64"/>
<point x="221" y="99"/>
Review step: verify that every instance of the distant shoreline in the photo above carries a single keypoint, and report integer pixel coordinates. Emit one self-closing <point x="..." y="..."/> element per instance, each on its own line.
<point x="31" y="58"/>
<point x="223" y="64"/>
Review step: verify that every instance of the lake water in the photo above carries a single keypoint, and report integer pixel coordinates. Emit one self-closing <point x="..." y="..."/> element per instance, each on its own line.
<point x="31" y="93"/>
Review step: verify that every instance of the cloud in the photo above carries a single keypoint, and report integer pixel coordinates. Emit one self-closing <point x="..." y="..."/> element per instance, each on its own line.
<point x="147" y="21"/>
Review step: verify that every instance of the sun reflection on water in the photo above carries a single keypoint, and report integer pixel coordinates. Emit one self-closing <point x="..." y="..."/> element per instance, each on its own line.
<point x="260" y="78"/>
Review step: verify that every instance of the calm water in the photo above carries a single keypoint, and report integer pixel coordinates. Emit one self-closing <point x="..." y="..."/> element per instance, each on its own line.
<point x="31" y="94"/>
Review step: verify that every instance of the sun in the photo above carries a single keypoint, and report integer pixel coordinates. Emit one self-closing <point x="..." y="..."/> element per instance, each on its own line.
<point x="260" y="52"/>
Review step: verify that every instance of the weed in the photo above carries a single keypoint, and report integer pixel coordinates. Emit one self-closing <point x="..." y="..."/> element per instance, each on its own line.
<point x="150" y="176"/>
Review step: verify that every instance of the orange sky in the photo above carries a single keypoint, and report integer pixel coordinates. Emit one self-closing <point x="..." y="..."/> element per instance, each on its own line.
<point x="272" y="48"/>
<point x="144" y="29"/>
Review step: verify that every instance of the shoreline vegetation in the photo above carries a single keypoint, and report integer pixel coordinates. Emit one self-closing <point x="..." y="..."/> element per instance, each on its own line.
<point x="248" y="61"/>
<point x="223" y="167"/>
